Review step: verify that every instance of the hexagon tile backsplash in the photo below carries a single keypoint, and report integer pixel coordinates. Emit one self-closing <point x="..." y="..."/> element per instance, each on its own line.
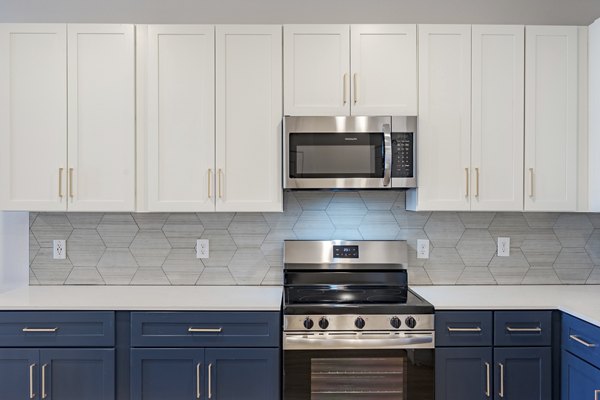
<point x="247" y="248"/>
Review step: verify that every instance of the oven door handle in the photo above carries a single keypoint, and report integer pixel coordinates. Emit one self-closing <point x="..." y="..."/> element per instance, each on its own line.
<point x="361" y="342"/>
<point x="387" y="156"/>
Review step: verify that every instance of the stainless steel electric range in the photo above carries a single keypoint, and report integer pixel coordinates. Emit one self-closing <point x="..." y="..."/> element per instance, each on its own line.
<point x="353" y="330"/>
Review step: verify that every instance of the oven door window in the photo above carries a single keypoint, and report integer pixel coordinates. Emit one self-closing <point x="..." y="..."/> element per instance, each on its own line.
<point x="336" y="155"/>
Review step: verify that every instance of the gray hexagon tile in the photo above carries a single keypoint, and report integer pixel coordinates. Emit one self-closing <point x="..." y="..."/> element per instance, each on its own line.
<point x="541" y="219"/>
<point x="515" y="260"/>
<point x="541" y="248"/>
<point x="476" y="247"/>
<point x="380" y="200"/>
<point x="117" y="266"/>
<point x="282" y="220"/>
<point x="509" y="220"/>
<point x="248" y="229"/>
<point x="573" y="230"/>
<point x="476" y="276"/>
<point x="593" y="247"/>
<point x="221" y="247"/>
<point x="150" y="248"/>
<point x="346" y="234"/>
<point x="379" y="225"/>
<point x="444" y="229"/>
<point x="346" y="210"/>
<point x="410" y="219"/>
<point x="182" y="267"/>
<point x="215" y="220"/>
<point x="32" y="217"/>
<point x="272" y="247"/>
<point x="444" y="266"/>
<point x="85" y="220"/>
<point x="248" y="267"/>
<point x="273" y="277"/>
<point x="49" y="271"/>
<point x="314" y="225"/>
<point x="216" y="276"/>
<point x="84" y="276"/>
<point x="418" y="276"/>
<point x="51" y="226"/>
<point x="34" y="247"/>
<point x="573" y="275"/>
<point x="291" y="205"/>
<point x="117" y="230"/>
<point x="85" y="247"/>
<point x="150" y="276"/>
<point x="573" y="265"/>
<point x="594" y="219"/>
<point x="33" y="280"/>
<point x="313" y="200"/>
<point x="541" y="276"/>
<point x="150" y="221"/>
<point x="594" y="278"/>
<point x="476" y="220"/>
<point x="509" y="276"/>
<point x="182" y="230"/>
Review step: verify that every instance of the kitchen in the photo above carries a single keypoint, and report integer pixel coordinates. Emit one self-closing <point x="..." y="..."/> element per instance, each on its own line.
<point x="186" y="230"/>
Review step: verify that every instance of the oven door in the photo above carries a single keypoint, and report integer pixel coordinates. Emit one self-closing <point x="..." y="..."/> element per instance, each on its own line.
<point x="337" y="152"/>
<point x="326" y="373"/>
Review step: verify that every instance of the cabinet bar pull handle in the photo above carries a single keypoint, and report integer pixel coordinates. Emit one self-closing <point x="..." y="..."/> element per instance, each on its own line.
<point x="209" y="381"/>
<point x="220" y="173"/>
<point x="198" y="366"/>
<point x="209" y="176"/>
<point x="476" y="329"/>
<point x="44" y="395"/>
<point x="487" y="379"/>
<point x="39" y="330"/>
<point x="596" y="393"/>
<point x="466" y="182"/>
<point x="205" y="330"/>
<point x="60" y="174"/>
<point x="477" y="182"/>
<point x="355" y="88"/>
<point x="581" y="341"/>
<point x="530" y="182"/>
<point x="501" y="392"/>
<point x="536" y="329"/>
<point x="31" y="394"/>
<point x="345" y="93"/>
<point x="71" y="182"/>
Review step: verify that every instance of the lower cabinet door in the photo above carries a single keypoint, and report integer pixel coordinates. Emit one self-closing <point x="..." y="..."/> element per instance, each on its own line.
<point x="463" y="373"/>
<point x="167" y="374"/>
<point x="580" y="380"/>
<point x="249" y="374"/>
<point x="523" y="373"/>
<point x="19" y="371"/>
<point x="76" y="374"/>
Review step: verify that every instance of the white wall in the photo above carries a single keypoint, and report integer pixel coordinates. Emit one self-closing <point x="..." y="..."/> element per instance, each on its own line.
<point x="14" y="249"/>
<point x="561" y="12"/>
<point x="594" y="116"/>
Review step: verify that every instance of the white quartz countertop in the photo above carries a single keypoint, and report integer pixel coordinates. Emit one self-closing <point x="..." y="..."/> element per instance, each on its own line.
<point x="581" y="301"/>
<point x="174" y="298"/>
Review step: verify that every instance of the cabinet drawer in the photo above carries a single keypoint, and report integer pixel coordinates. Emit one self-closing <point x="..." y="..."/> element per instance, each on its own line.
<point x="463" y="328"/>
<point x="581" y="339"/>
<point x="57" y="329"/>
<point x="523" y="328"/>
<point x="205" y="329"/>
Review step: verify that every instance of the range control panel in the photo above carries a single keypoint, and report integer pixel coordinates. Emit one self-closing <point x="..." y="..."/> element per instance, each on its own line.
<point x="345" y="251"/>
<point x="403" y="155"/>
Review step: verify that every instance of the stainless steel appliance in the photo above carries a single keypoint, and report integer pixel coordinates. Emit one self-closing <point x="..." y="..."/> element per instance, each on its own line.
<point x="353" y="330"/>
<point x="349" y="152"/>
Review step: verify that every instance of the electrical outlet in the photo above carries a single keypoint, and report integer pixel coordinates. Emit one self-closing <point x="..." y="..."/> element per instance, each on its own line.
<point x="503" y="247"/>
<point x="202" y="248"/>
<point x="59" y="249"/>
<point x="422" y="248"/>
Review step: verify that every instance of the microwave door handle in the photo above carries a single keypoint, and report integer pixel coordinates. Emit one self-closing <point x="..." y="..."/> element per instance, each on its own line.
<point x="387" y="156"/>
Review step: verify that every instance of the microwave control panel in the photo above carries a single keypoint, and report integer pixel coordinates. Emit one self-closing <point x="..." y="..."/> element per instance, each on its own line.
<point x="403" y="155"/>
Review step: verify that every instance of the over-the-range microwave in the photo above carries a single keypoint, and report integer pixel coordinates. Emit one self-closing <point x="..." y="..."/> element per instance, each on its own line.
<point x="349" y="152"/>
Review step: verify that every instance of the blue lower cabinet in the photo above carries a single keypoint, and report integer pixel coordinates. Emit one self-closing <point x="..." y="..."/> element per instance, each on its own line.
<point x="580" y="380"/>
<point x="75" y="374"/>
<point x="523" y="373"/>
<point x="249" y="374"/>
<point x="19" y="370"/>
<point x="463" y="373"/>
<point x="174" y="374"/>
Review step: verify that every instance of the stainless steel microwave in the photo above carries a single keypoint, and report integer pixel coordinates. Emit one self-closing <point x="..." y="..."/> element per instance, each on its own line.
<point x="349" y="152"/>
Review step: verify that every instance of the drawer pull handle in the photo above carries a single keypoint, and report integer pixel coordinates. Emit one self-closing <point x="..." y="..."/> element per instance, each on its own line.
<point x="581" y="341"/>
<point x="31" y="394"/>
<point x="501" y="392"/>
<point x="487" y="380"/>
<point x="596" y="393"/>
<point x="198" y="366"/>
<point x="476" y="329"/>
<point x="210" y="381"/>
<point x="40" y="330"/>
<point x="521" y="330"/>
<point x="44" y="394"/>
<point x="205" y="330"/>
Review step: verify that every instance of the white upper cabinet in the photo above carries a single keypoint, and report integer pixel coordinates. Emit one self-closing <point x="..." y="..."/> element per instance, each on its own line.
<point x="384" y="69"/>
<point x="497" y="118"/>
<point x="180" y="116"/>
<point x="551" y="118"/>
<point x="33" y="117"/>
<point x="317" y="69"/>
<point x="444" y="139"/>
<point x="249" y="117"/>
<point x="101" y="122"/>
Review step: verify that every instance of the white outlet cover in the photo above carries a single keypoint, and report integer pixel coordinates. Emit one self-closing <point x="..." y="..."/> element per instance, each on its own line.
<point x="422" y="248"/>
<point x="59" y="249"/>
<point x="202" y="248"/>
<point x="503" y="247"/>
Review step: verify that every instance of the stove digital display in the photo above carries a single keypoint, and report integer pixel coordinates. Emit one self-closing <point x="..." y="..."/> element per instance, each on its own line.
<point x="345" y="251"/>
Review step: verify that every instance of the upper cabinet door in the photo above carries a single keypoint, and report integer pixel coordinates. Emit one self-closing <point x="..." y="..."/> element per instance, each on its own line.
<point x="444" y="142"/>
<point x="497" y="118"/>
<point x="384" y="69"/>
<point x="551" y="118"/>
<point x="101" y="115"/>
<point x="317" y="69"/>
<point x="249" y="118"/>
<point x="33" y="117"/>
<point x="180" y="117"/>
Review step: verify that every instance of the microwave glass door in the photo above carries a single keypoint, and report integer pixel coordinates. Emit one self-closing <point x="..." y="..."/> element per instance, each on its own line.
<point x="336" y="155"/>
